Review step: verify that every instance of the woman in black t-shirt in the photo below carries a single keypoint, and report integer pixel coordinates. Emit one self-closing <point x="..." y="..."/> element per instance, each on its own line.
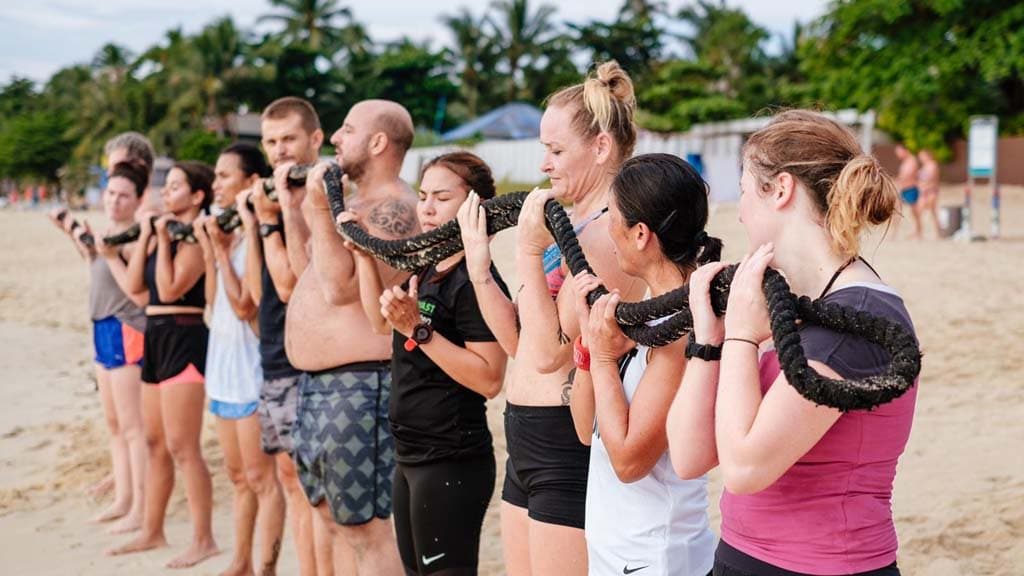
<point x="446" y="363"/>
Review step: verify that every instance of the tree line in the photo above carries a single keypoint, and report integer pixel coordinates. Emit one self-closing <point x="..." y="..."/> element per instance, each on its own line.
<point x="924" y="65"/>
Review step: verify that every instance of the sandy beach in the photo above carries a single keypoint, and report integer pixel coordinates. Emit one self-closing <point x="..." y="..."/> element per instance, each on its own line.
<point x="959" y="496"/>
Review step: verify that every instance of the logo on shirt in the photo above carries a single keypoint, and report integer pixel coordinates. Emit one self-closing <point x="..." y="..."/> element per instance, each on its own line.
<point x="627" y="570"/>
<point x="432" y="559"/>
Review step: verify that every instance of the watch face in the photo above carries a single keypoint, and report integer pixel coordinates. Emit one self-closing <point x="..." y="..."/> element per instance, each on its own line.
<point x="422" y="333"/>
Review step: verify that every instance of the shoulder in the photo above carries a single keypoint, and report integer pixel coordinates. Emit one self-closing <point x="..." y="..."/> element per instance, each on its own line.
<point x="394" y="215"/>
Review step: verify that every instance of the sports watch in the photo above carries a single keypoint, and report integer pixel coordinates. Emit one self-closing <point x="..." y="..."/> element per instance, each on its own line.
<point x="266" y="230"/>
<point x="421" y="334"/>
<point x="706" y="352"/>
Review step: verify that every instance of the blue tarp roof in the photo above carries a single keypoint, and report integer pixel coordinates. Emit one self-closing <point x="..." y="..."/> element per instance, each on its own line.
<point x="515" y="121"/>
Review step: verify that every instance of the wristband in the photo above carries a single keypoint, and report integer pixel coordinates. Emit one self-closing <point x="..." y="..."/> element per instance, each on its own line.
<point x="580" y="355"/>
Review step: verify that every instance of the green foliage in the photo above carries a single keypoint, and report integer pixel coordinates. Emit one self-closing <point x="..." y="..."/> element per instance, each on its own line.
<point x="33" y="145"/>
<point x="924" y="65"/>
<point x="201" y="145"/>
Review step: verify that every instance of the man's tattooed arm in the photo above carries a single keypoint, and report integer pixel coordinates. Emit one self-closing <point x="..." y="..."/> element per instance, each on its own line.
<point x="395" y="218"/>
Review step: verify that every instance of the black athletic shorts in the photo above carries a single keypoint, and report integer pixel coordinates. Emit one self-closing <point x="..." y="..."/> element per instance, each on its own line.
<point x="547" y="465"/>
<point x="731" y="562"/>
<point x="171" y="343"/>
<point x="439" y="510"/>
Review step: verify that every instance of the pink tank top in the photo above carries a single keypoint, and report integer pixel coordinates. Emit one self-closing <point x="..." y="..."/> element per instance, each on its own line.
<point x="831" y="513"/>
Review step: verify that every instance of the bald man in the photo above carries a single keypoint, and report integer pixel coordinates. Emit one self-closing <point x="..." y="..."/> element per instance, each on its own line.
<point x="343" y="446"/>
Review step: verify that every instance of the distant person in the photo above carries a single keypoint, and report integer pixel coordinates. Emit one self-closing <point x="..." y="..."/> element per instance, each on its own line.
<point x="928" y="183"/>
<point x="906" y="181"/>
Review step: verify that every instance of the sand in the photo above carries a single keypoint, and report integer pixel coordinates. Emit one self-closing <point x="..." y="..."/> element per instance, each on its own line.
<point x="959" y="497"/>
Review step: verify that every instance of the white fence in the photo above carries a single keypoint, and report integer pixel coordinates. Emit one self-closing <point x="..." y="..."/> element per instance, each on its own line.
<point x="719" y="144"/>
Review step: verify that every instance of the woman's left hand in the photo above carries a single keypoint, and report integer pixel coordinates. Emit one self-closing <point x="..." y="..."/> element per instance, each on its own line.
<point x="400" y="308"/>
<point x="534" y="237"/>
<point x="606" y="341"/>
<point x="747" y="312"/>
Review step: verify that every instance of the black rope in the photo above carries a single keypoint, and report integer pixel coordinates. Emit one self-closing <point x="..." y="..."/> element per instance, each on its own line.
<point x="785" y="309"/>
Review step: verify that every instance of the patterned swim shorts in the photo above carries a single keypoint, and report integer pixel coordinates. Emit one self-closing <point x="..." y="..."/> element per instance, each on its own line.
<point x="343" y="447"/>
<point x="278" y="406"/>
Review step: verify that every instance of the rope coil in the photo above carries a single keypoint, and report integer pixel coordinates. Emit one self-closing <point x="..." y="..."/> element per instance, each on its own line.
<point x="786" y="310"/>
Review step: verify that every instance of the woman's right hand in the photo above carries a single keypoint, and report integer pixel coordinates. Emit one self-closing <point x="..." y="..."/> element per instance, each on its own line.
<point x="242" y="207"/>
<point x="472" y="219"/>
<point x="203" y="237"/>
<point x="102" y="248"/>
<point x="708" y="328"/>
<point x="584" y="283"/>
<point x="146" y="223"/>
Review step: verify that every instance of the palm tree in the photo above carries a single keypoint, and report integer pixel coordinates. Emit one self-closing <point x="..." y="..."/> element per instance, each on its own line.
<point x="521" y="35"/>
<point x="313" y="24"/>
<point x="725" y="38"/>
<point x="476" y="54"/>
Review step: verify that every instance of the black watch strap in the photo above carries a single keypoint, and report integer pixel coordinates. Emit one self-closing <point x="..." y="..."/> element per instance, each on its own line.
<point x="267" y="229"/>
<point x="706" y="352"/>
<point x="422" y="333"/>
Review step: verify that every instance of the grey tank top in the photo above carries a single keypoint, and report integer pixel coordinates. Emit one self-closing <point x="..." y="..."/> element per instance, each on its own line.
<point x="107" y="299"/>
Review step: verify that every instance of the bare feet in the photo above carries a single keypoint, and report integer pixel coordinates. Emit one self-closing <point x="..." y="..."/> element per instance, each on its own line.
<point x="239" y="567"/>
<point x="101" y="488"/>
<point x="195" y="554"/>
<point x="113" y="512"/>
<point x="128" y="523"/>
<point x="141" y="544"/>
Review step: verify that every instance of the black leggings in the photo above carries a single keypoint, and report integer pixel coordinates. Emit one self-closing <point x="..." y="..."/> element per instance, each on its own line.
<point x="731" y="562"/>
<point x="439" y="510"/>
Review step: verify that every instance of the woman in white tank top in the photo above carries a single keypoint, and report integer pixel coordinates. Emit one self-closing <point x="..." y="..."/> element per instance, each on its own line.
<point x="641" y="518"/>
<point x="234" y="374"/>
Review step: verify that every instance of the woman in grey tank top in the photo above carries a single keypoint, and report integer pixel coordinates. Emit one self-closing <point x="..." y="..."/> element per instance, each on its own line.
<point x="118" y="322"/>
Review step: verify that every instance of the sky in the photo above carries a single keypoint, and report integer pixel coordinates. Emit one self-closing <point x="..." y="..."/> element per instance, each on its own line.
<point x="37" y="38"/>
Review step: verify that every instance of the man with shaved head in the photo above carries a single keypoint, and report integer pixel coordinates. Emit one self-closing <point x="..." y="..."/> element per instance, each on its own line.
<point x="343" y="446"/>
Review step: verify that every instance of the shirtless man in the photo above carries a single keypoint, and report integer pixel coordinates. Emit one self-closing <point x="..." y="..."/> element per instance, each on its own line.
<point x="906" y="181"/>
<point x="290" y="134"/>
<point x="343" y="446"/>
<point x="928" y="183"/>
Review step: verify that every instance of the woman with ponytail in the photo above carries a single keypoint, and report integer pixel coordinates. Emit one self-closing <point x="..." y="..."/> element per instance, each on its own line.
<point x="808" y="489"/>
<point x="588" y="132"/>
<point x="659" y="523"/>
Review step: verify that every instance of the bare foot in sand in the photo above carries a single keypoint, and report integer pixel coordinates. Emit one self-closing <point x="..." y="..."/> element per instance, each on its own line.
<point x="195" y="554"/>
<point x="141" y="544"/>
<point x="239" y="567"/>
<point x="128" y="523"/>
<point x="113" y="512"/>
<point x="101" y="488"/>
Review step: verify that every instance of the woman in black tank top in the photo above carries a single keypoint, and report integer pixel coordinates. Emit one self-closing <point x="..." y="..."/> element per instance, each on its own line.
<point x="173" y="361"/>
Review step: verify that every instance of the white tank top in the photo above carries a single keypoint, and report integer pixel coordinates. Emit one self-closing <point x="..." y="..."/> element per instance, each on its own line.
<point x="656" y="526"/>
<point x="233" y="372"/>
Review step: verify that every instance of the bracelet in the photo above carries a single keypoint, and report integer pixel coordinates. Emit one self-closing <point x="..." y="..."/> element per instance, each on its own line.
<point x="755" y="344"/>
<point x="580" y="355"/>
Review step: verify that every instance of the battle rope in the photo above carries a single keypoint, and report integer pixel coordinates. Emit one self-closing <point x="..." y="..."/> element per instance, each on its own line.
<point x="785" y="309"/>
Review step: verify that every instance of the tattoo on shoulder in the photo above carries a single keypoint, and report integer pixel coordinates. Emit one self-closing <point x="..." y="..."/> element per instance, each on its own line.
<point x="567" y="387"/>
<point x="395" y="217"/>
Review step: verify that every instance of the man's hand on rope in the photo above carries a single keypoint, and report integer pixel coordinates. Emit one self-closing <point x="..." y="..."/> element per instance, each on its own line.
<point x="748" y="309"/>
<point x="534" y="237"/>
<point x="290" y="199"/>
<point x="316" y="194"/>
<point x="344" y="218"/>
<point x="472" y="220"/>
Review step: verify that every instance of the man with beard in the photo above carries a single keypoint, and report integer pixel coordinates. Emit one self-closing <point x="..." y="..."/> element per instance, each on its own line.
<point x="343" y="446"/>
<point x="291" y="134"/>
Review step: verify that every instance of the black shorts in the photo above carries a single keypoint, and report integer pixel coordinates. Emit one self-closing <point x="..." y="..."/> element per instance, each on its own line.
<point x="547" y="465"/>
<point x="171" y="343"/>
<point x="731" y="562"/>
<point x="439" y="510"/>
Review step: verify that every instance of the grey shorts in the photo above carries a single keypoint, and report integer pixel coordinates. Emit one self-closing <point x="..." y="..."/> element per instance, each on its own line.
<point x="343" y="447"/>
<point x="279" y="401"/>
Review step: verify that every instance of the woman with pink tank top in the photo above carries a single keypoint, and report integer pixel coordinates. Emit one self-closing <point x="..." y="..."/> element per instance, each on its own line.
<point x="808" y="489"/>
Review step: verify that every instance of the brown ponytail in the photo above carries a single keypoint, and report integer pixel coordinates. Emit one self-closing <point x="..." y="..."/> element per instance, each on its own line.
<point x="849" y="188"/>
<point x="604" y="102"/>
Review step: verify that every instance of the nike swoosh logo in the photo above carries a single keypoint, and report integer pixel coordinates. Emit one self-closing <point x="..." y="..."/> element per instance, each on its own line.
<point x="627" y="570"/>
<point x="432" y="559"/>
